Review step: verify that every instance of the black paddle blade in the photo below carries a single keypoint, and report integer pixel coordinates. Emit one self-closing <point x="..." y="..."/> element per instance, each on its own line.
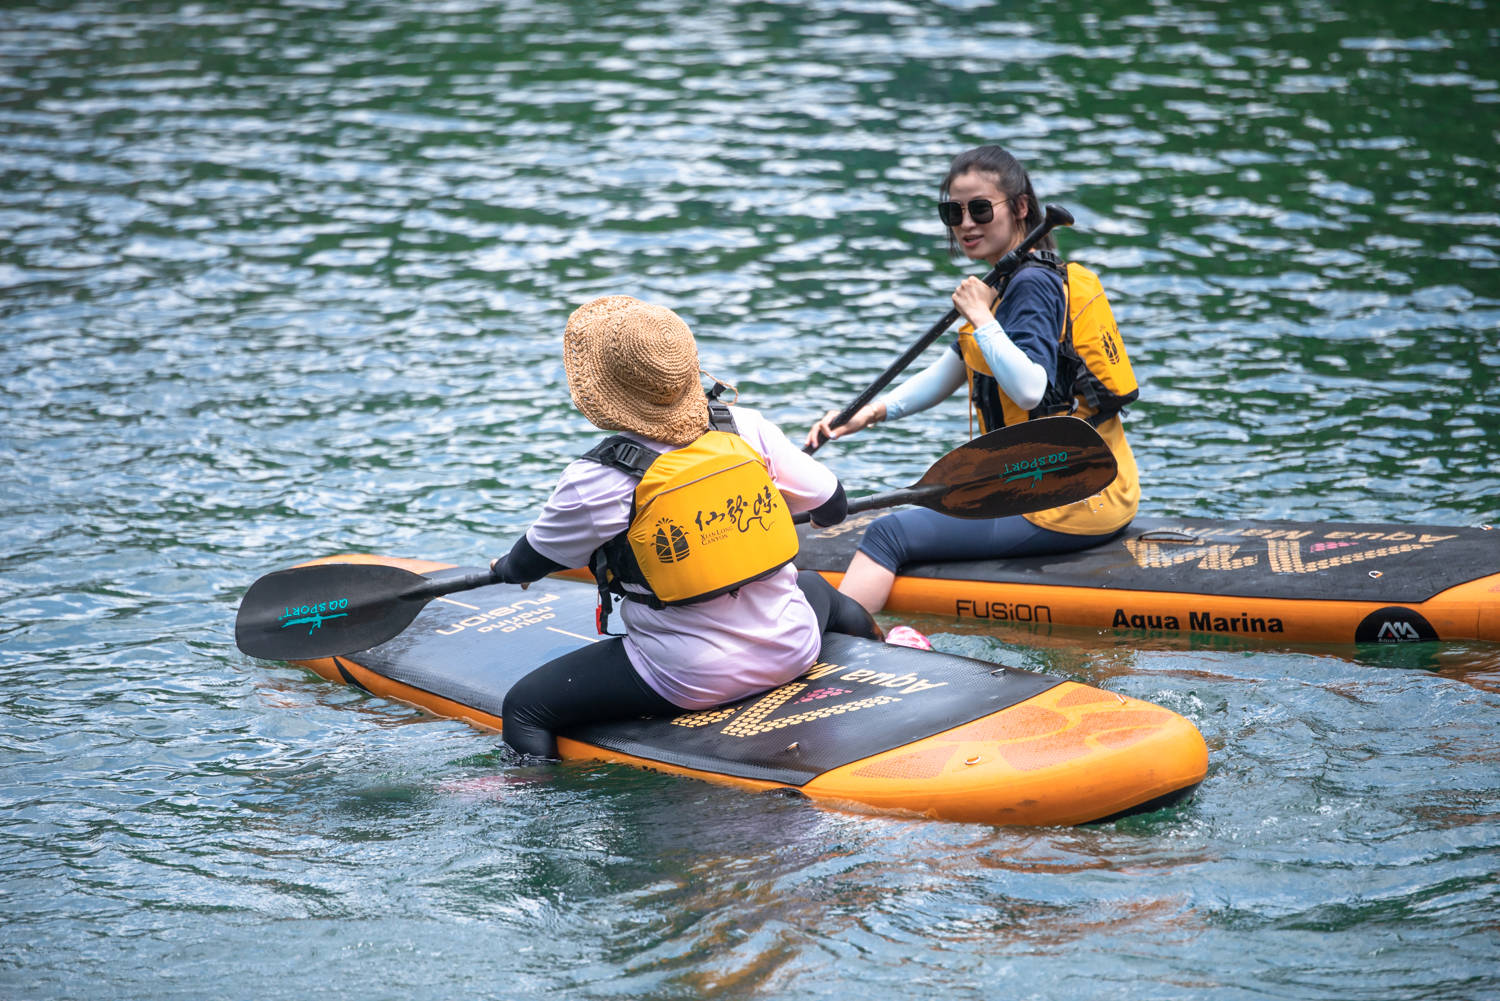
<point x="325" y="610"/>
<point x="1026" y="467"/>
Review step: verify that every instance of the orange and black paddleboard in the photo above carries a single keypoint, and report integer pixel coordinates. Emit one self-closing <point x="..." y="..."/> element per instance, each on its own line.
<point x="869" y="726"/>
<point x="1279" y="582"/>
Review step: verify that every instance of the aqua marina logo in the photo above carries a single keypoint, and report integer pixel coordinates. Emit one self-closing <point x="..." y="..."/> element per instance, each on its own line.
<point x="313" y="616"/>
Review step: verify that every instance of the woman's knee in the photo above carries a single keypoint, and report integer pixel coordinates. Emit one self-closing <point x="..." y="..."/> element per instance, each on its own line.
<point x="852" y="619"/>
<point x="590" y="684"/>
<point x="885" y="542"/>
<point x="836" y="612"/>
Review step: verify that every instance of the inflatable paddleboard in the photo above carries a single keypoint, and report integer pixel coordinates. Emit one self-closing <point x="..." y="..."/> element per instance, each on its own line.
<point x="1274" y="581"/>
<point x="869" y="726"/>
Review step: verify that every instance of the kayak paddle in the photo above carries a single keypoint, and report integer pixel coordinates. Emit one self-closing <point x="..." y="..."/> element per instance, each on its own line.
<point x="1025" y="467"/>
<point x="1055" y="215"/>
<point x="327" y="609"/>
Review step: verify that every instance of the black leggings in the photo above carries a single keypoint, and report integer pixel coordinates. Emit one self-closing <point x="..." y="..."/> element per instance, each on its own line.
<point x="836" y="611"/>
<point x="598" y="682"/>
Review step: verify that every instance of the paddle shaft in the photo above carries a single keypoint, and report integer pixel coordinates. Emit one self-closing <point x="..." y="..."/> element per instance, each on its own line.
<point x="891" y="498"/>
<point x="430" y="589"/>
<point x="1055" y="215"/>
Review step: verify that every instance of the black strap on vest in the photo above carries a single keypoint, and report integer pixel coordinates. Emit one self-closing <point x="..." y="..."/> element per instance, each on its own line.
<point x="719" y="417"/>
<point x="1056" y="399"/>
<point x="614" y="563"/>
<point x="1061" y="395"/>
<point x="619" y="452"/>
<point x="633" y="458"/>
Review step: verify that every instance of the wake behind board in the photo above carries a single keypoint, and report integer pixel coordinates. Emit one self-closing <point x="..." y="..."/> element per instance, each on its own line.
<point x="1275" y="581"/>
<point x="869" y="725"/>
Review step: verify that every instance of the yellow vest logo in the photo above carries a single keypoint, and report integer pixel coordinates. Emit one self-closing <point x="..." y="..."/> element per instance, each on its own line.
<point x="671" y="543"/>
<point x="1111" y="349"/>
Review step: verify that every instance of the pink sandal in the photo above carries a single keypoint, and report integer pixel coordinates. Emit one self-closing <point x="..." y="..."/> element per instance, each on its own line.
<point x="907" y="636"/>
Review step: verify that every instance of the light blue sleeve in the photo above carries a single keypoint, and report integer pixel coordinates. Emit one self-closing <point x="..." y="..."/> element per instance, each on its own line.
<point x="927" y="388"/>
<point x="1022" y="379"/>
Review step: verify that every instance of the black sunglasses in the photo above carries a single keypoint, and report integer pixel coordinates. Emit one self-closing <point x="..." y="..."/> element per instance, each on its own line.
<point x="981" y="210"/>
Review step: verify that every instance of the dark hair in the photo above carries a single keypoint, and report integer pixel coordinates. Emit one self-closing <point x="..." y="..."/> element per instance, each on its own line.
<point x="1012" y="180"/>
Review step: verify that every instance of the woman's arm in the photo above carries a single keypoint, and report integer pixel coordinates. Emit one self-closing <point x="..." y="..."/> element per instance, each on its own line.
<point x="927" y="388"/>
<point x="1019" y="341"/>
<point x="590" y="505"/>
<point x="522" y="565"/>
<point x="1020" y="378"/>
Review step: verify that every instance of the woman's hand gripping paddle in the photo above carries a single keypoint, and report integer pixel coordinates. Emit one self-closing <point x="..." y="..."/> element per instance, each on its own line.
<point x="1054" y="215"/>
<point x="328" y="609"/>
<point x="1025" y="467"/>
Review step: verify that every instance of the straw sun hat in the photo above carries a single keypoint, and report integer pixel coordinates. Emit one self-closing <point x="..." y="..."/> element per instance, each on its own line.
<point x="633" y="366"/>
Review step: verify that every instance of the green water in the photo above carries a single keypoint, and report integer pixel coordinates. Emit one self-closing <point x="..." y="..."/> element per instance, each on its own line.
<point x="281" y="280"/>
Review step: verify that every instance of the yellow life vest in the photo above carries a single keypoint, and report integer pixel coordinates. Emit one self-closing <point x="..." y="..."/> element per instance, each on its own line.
<point x="1093" y="369"/>
<point x="1094" y="381"/>
<point x="707" y="519"/>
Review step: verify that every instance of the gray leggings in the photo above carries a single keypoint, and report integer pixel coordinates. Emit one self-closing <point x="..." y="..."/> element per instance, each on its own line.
<point x="917" y="535"/>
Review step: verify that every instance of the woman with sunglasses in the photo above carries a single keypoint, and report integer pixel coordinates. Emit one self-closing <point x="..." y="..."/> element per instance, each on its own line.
<point x="1008" y="354"/>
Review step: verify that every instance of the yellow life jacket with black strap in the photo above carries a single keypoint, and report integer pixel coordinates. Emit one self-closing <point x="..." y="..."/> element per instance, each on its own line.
<point x="706" y="519"/>
<point x="1093" y="370"/>
<point x="1094" y="381"/>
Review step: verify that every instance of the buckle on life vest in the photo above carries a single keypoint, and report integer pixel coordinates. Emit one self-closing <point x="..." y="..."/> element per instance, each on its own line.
<point x="601" y="614"/>
<point x="628" y="453"/>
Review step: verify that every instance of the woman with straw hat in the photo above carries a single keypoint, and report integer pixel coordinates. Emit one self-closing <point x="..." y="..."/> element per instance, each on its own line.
<point x="690" y="643"/>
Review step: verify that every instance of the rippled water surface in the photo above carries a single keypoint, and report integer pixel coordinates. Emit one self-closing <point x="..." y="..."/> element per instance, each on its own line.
<point x="282" y="280"/>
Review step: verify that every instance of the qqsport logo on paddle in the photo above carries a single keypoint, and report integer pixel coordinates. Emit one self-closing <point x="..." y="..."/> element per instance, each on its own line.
<point x="1034" y="469"/>
<point x="314" y="616"/>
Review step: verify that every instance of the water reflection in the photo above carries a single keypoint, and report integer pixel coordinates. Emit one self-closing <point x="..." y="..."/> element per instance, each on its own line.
<point x="288" y="280"/>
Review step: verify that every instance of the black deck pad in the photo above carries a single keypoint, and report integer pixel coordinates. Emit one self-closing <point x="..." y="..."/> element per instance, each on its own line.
<point x="859" y="699"/>
<point x="1244" y="559"/>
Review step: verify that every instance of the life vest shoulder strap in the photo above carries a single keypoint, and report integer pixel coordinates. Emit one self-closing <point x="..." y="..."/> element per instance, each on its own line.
<point x="633" y="458"/>
<point x="720" y="418"/>
<point x="1102" y="375"/>
<point x="619" y="452"/>
<point x="613" y="563"/>
<point x="1045" y="259"/>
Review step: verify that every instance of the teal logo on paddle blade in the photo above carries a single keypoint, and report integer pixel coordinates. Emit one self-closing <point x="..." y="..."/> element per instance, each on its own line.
<point x="1034" y="469"/>
<point x="313" y="616"/>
